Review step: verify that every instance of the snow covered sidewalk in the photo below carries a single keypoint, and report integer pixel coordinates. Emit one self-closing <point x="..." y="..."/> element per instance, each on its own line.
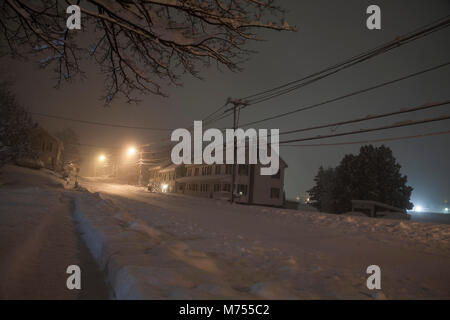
<point x="174" y="247"/>
<point x="39" y="239"/>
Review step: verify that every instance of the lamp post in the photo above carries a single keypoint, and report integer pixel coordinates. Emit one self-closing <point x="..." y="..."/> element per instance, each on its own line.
<point x="140" y="167"/>
<point x="131" y="153"/>
<point x="101" y="159"/>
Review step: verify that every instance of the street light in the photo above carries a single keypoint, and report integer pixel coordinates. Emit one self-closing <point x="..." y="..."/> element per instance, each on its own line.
<point x="131" y="151"/>
<point x="101" y="158"/>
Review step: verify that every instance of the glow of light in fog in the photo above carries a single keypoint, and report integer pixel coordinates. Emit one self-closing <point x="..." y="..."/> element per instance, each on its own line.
<point x="131" y="151"/>
<point x="446" y="209"/>
<point x="101" y="158"/>
<point x="418" y="208"/>
<point x="164" y="187"/>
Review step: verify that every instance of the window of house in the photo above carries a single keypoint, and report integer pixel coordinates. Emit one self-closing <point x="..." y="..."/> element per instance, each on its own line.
<point x="218" y="169"/>
<point x="274" y="193"/>
<point x="229" y="169"/>
<point x="206" y="170"/>
<point x="216" y="187"/>
<point x="196" y="172"/>
<point x="226" y="187"/>
<point x="243" y="170"/>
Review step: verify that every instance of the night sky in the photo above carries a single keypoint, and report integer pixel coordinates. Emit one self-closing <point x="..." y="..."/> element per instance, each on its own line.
<point x="328" y="32"/>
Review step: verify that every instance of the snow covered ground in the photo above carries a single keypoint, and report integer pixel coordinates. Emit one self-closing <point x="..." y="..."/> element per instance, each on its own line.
<point x="169" y="246"/>
<point x="172" y="246"/>
<point x="39" y="239"/>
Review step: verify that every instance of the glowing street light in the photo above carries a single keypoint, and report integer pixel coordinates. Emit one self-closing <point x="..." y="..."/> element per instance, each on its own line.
<point x="164" y="187"/>
<point x="131" y="151"/>
<point x="102" y="158"/>
<point x="446" y="210"/>
<point x="418" y="209"/>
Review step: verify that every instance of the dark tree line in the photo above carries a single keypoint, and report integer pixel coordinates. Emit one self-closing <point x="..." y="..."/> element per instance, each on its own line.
<point x="373" y="174"/>
<point x="15" y="128"/>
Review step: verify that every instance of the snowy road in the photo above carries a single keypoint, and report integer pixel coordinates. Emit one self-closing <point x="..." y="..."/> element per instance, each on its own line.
<point x="203" y="248"/>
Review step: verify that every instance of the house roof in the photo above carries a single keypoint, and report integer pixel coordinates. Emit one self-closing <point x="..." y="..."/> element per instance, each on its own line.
<point x="39" y="130"/>
<point x="160" y="165"/>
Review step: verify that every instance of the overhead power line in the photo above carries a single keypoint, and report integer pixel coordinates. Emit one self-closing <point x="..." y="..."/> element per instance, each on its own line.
<point x="370" y="117"/>
<point x="392" y="126"/>
<point x="398" y="41"/>
<point x="369" y="141"/>
<point x="93" y="146"/>
<point x="366" y="118"/>
<point x="395" y="43"/>
<point x="99" y="123"/>
<point x="348" y="95"/>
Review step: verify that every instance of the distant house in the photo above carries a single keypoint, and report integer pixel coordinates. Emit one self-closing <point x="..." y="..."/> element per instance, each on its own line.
<point x="214" y="181"/>
<point x="47" y="147"/>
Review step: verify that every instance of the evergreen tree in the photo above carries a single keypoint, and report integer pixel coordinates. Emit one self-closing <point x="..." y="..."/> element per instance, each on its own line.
<point x="322" y="194"/>
<point x="373" y="174"/>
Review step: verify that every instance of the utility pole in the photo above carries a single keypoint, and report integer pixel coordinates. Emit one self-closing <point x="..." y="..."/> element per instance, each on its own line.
<point x="140" y="167"/>
<point x="237" y="103"/>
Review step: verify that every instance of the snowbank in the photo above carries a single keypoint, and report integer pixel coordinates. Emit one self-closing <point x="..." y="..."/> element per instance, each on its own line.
<point x="99" y="231"/>
<point x="29" y="163"/>
<point x="142" y="262"/>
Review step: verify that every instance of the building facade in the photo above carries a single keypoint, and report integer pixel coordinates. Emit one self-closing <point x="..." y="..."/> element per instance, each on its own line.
<point x="47" y="147"/>
<point x="215" y="181"/>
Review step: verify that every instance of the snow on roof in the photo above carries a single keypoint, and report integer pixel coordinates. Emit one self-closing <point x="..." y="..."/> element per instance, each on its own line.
<point x="375" y="203"/>
<point x="169" y="168"/>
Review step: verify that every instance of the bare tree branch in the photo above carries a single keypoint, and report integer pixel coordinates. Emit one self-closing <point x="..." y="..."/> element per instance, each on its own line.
<point x="140" y="45"/>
